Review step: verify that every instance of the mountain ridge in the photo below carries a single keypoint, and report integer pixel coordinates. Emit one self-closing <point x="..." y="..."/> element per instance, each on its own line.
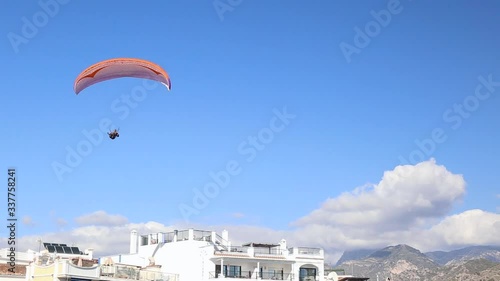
<point x="403" y="262"/>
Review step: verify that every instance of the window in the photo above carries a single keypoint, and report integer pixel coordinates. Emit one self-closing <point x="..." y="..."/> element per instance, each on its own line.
<point x="144" y="240"/>
<point x="232" y="271"/>
<point x="307" y="274"/>
<point x="271" y="273"/>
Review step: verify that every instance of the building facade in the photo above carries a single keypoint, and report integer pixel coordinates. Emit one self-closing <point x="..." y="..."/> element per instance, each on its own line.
<point x="185" y="255"/>
<point x="205" y="255"/>
<point x="13" y="264"/>
<point x="59" y="262"/>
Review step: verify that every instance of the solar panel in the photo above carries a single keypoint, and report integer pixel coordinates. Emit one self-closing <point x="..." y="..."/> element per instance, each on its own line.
<point x="59" y="249"/>
<point x="46" y="244"/>
<point x="63" y="245"/>
<point x="67" y="250"/>
<point x="51" y="248"/>
<point x="75" y="250"/>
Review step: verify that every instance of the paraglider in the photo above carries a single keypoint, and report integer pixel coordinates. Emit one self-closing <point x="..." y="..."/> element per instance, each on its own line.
<point x="114" y="134"/>
<point x="120" y="68"/>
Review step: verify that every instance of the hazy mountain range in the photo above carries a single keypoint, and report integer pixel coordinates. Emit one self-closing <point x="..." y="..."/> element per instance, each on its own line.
<point x="402" y="262"/>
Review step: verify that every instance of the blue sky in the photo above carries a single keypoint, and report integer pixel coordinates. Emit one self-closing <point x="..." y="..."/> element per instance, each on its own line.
<point x="354" y="117"/>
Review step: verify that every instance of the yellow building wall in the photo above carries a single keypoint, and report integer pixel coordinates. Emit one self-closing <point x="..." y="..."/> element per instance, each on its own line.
<point x="44" y="273"/>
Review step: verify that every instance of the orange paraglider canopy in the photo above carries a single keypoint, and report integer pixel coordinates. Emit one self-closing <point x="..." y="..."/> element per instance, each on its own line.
<point x="119" y="68"/>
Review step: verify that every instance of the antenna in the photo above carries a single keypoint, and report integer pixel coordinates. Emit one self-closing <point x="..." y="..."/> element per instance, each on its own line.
<point x="39" y="240"/>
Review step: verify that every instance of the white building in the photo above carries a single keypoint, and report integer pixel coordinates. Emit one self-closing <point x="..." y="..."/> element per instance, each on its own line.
<point x="13" y="264"/>
<point x="59" y="262"/>
<point x="194" y="255"/>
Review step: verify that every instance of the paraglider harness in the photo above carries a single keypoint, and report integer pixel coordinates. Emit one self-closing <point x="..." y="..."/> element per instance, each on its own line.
<point x="114" y="134"/>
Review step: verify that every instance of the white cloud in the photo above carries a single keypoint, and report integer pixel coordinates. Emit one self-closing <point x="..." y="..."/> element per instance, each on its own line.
<point x="409" y="205"/>
<point x="28" y="221"/>
<point x="238" y="215"/>
<point x="101" y="218"/>
<point x="469" y="228"/>
<point x="61" y="222"/>
<point x="404" y="198"/>
<point x="105" y="240"/>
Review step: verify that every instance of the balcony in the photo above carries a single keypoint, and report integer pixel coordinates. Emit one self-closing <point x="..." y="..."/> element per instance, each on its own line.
<point x="223" y="247"/>
<point x="272" y="253"/>
<point x="275" y="276"/>
<point x="269" y="252"/>
<point x="68" y="269"/>
<point x="134" y="273"/>
<point x="308" y="253"/>
<point x="176" y="236"/>
<point x="270" y="275"/>
<point x="202" y="235"/>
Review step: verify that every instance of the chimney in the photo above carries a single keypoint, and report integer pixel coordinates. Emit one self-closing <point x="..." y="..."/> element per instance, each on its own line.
<point x="283" y="245"/>
<point x="133" y="241"/>
<point x="90" y="253"/>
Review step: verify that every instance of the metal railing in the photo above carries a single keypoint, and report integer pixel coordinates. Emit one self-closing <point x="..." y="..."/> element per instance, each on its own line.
<point x="266" y="275"/>
<point x="118" y="271"/>
<point x="268" y="251"/>
<point x="240" y="275"/>
<point x="308" y="278"/>
<point x="257" y="251"/>
<point x="238" y="249"/>
<point x="273" y="275"/>
<point x="202" y="235"/>
<point x="168" y="237"/>
<point x="183" y="235"/>
<point x="309" y="251"/>
<point x="134" y="273"/>
<point x="220" y="240"/>
<point x="153" y="238"/>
